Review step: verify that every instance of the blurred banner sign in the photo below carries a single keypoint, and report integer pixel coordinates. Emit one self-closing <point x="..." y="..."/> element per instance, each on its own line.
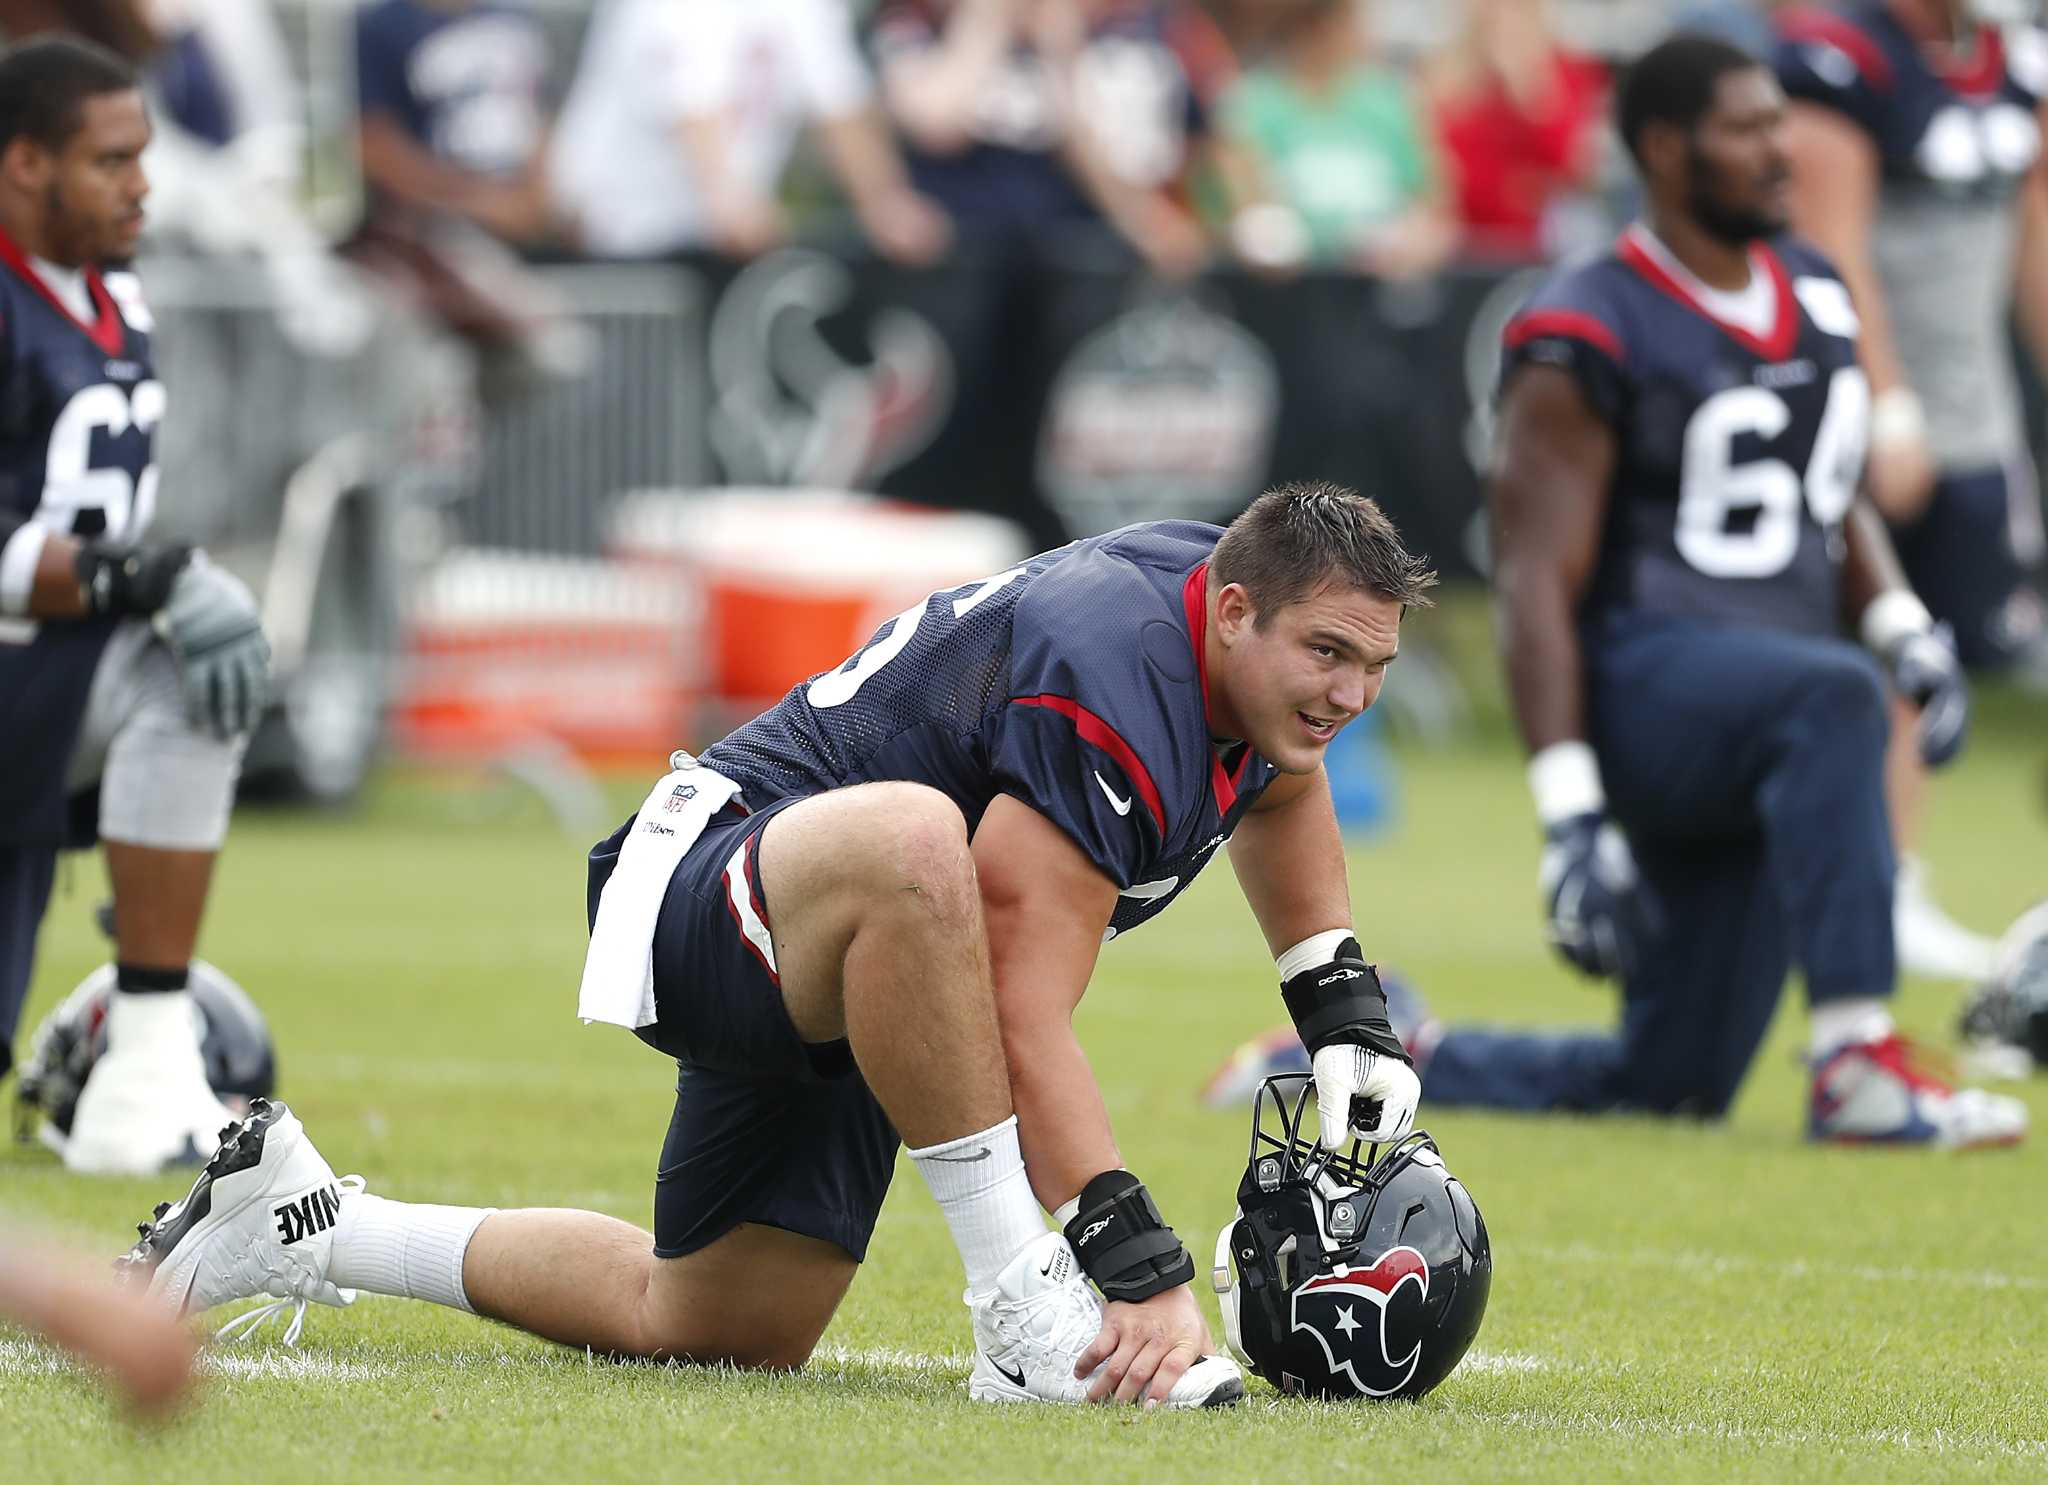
<point x="1074" y="400"/>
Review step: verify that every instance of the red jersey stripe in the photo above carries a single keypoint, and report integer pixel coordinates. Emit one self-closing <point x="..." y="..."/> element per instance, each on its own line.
<point x="1538" y="323"/>
<point x="1094" y="730"/>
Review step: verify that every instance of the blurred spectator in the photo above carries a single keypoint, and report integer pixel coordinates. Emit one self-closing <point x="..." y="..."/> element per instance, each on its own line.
<point x="225" y="77"/>
<point x="1747" y="23"/>
<point x="451" y="138"/>
<point x="226" y="164"/>
<point x="452" y="112"/>
<point x="122" y="25"/>
<point x="683" y="116"/>
<point x="1326" y="158"/>
<point x="1521" y="121"/>
<point x="1040" y="119"/>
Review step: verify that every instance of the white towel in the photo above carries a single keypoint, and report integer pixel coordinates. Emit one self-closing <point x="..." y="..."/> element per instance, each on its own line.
<point x="618" y="970"/>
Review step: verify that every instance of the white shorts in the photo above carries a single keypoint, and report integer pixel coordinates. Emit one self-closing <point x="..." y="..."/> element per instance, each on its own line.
<point x="165" y="781"/>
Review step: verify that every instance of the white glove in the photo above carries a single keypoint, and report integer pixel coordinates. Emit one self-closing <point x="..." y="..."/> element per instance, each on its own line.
<point x="1345" y="1072"/>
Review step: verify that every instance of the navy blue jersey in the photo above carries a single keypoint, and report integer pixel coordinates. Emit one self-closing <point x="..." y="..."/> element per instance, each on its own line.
<point x="79" y="405"/>
<point x="464" y="84"/>
<point x="1738" y="454"/>
<point x="1962" y="128"/>
<point x="1075" y="682"/>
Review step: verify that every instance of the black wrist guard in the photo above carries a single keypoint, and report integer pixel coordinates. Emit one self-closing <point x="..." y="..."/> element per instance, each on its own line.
<point x="129" y="580"/>
<point x="1123" y="1243"/>
<point x="1341" y="1003"/>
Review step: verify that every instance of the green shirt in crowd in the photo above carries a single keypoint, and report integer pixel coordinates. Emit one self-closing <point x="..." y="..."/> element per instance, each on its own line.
<point x="1345" y="161"/>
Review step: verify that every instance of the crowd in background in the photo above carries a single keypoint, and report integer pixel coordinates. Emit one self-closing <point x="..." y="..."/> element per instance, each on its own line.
<point x="1272" y="131"/>
<point x="1278" y="133"/>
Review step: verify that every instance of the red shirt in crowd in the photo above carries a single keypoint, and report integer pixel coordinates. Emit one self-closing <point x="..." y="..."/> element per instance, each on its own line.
<point x="1508" y="165"/>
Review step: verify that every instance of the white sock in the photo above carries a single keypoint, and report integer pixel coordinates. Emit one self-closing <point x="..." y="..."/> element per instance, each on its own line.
<point x="979" y="1183"/>
<point x="1836" y="1023"/>
<point x="402" y="1248"/>
<point x="163" y="1020"/>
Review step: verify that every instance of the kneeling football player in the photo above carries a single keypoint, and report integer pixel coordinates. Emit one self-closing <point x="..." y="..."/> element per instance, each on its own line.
<point x="867" y="917"/>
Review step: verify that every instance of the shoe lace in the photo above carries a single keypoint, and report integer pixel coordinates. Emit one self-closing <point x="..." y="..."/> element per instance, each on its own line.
<point x="1057" y="1322"/>
<point x="1917" y="1066"/>
<point x="301" y="1287"/>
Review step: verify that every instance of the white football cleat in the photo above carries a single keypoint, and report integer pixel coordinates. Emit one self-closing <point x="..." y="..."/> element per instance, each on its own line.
<point x="1876" y="1092"/>
<point x="1931" y="943"/>
<point x="1033" y="1326"/>
<point x="146" y="1103"/>
<point x="1212" y="1382"/>
<point x="1031" y="1329"/>
<point x="259" y="1220"/>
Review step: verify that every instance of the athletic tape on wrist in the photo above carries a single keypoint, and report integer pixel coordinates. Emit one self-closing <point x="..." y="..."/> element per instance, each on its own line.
<point x="1564" y="780"/>
<point x="1893" y="616"/>
<point x="1897" y="416"/>
<point x="1317" y="948"/>
<point x="1123" y="1243"/>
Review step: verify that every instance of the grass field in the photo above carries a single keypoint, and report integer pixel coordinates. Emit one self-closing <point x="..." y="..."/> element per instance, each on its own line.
<point x="1672" y="1302"/>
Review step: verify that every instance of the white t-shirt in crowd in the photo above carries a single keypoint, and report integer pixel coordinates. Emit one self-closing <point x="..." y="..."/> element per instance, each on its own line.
<point x="762" y="68"/>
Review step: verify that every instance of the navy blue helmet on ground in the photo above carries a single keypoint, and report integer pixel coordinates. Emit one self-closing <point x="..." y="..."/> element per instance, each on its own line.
<point x="234" y="1043"/>
<point x="1344" y="1275"/>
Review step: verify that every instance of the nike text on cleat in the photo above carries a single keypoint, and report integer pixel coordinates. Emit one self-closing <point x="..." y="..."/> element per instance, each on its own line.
<point x="258" y="1221"/>
<point x="1880" y="1092"/>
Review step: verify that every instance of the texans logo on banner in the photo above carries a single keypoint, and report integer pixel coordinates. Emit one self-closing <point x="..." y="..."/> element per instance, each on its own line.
<point x="790" y="409"/>
<point x="1368" y="1320"/>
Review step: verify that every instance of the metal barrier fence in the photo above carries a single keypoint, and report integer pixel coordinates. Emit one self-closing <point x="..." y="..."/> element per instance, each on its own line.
<point x="554" y="454"/>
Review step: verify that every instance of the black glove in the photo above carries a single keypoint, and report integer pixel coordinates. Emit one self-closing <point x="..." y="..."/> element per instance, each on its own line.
<point x="1925" y="671"/>
<point x="1602" y="914"/>
<point x="129" y="580"/>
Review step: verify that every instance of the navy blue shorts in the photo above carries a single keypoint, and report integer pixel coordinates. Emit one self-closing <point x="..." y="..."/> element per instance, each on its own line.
<point x="1747" y="767"/>
<point x="1961" y="560"/>
<point x="767" y="1128"/>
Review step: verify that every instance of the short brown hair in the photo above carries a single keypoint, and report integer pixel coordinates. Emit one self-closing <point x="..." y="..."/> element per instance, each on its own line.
<point x="1295" y="537"/>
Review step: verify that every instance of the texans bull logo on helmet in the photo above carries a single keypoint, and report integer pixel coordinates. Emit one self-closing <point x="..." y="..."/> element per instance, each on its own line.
<point x="1347" y="1273"/>
<point x="1369" y="1321"/>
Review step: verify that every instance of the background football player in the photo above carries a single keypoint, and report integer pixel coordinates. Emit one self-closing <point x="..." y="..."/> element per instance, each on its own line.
<point x="129" y="676"/>
<point x="868" y="915"/>
<point x="1681" y="549"/>
<point x="1915" y="136"/>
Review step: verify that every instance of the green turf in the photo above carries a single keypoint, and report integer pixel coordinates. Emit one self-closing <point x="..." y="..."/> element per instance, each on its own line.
<point x="1672" y="1303"/>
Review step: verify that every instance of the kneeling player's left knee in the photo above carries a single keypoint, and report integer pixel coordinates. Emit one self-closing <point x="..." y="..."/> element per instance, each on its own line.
<point x="170" y="789"/>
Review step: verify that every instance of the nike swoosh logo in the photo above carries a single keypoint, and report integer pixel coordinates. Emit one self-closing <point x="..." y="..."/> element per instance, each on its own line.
<point x="1015" y="1378"/>
<point x="981" y="1154"/>
<point x="1121" y="806"/>
<point x="1046" y="1272"/>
